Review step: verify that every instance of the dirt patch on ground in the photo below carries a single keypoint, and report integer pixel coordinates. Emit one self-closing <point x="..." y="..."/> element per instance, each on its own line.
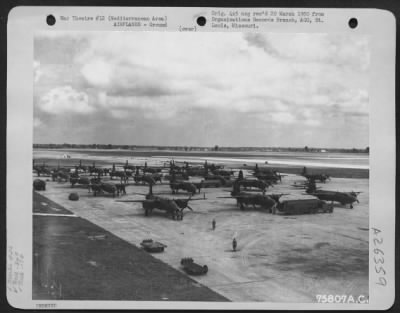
<point x="324" y="260"/>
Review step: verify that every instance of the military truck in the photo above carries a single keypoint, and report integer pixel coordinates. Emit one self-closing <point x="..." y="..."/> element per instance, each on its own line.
<point x="150" y="245"/>
<point x="192" y="268"/>
<point x="302" y="206"/>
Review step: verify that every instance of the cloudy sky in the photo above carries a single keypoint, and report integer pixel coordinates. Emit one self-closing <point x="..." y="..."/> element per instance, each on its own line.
<point x="201" y="89"/>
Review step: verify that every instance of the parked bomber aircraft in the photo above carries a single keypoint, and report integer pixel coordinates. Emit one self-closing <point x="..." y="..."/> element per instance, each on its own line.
<point x="149" y="179"/>
<point x="96" y="171"/>
<point x="222" y="172"/>
<point x="85" y="181"/>
<point x="173" y="207"/>
<point x="109" y="188"/>
<point x="60" y="175"/>
<point x="41" y="169"/>
<point x="184" y="185"/>
<point x="253" y="183"/>
<point x="220" y="178"/>
<point x="177" y="175"/>
<point x="130" y="167"/>
<point x="267" y="174"/>
<point x="244" y="199"/>
<point x="195" y="171"/>
<point x="316" y="177"/>
<point x="343" y="198"/>
<point x="81" y="167"/>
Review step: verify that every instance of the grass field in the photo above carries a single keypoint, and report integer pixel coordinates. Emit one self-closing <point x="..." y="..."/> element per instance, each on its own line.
<point x="75" y="259"/>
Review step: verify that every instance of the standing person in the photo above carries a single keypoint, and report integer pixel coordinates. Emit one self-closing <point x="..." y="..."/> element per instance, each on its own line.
<point x="213" y="224"/>
<point x="256" y="170"/>
<point x="234" y="244"/>
<point x="240" y="175"/>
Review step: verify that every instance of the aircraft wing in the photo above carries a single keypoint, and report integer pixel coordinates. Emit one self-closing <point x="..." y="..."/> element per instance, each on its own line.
<point x="239" y="196"/>
<point x="197" y="199"/>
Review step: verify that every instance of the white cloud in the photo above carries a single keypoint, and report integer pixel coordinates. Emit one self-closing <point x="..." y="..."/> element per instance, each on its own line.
<point x="37" y="122"/>
<point x="283" y="117"/>
<point x="65" y="99"/>
<point x="220" y="70"/>
<point x="302" y="80"/>
<point x="102" y="98"/>
<point x="97" y="72"/>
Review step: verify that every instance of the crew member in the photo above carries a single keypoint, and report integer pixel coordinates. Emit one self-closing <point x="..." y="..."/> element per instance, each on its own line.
<point x="234" y="244"/>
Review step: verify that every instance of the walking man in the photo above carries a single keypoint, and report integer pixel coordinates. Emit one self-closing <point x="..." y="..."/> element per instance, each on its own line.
<point x="213" y="224"/>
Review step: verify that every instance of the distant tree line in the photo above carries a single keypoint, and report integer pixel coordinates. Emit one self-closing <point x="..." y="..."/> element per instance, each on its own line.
<point x="196" y="148"/>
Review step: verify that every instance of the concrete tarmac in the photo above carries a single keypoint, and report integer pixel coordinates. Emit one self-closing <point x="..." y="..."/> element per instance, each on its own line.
<point x="279" y="258"/>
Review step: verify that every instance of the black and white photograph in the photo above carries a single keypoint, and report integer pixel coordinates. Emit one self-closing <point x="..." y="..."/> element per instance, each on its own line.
<point x="170" y="163"/>
<point x="200" y="167"/>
